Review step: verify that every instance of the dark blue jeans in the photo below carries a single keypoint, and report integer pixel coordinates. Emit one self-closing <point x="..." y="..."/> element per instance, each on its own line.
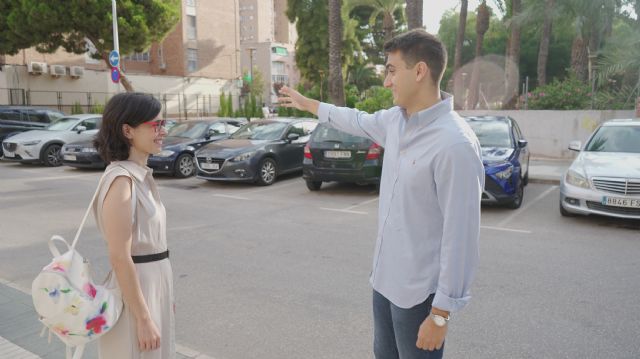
<point x="395" y="330"/>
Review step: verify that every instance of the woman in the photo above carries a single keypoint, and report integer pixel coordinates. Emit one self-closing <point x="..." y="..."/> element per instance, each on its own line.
<point x="132" y="219"/>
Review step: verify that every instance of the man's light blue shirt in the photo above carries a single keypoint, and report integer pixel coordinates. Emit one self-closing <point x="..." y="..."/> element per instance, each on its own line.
<point x="429" y="210"/>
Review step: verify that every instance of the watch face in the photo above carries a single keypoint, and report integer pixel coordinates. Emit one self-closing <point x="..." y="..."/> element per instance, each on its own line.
<point x="440" y="321"/>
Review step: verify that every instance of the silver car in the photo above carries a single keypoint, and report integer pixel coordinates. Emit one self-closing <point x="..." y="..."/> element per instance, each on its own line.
<point x="605" y="177"/>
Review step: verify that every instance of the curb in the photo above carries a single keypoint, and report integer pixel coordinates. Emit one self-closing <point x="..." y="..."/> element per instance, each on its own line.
<point x="551" y="181"/>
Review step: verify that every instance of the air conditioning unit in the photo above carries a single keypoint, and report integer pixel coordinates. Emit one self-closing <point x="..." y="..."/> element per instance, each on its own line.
<point x="37" y="68"/>
<point x="162" y="66"/>
<point x="58" y="70"/>
<point x="76" y="71"/>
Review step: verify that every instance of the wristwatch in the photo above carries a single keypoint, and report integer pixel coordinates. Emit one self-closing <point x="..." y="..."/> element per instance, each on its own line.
<point x="439" y="320"/>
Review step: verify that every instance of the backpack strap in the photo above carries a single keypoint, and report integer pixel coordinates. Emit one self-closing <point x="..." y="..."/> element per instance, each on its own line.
<point x="86" y="214"/>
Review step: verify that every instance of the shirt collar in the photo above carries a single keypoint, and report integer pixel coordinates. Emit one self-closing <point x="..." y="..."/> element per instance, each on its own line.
<point x="137" y="171"/>
<point x="430" y="114"/>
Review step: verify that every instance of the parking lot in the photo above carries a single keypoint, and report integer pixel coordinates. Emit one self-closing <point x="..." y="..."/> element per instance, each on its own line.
<point x="282" y="272"/>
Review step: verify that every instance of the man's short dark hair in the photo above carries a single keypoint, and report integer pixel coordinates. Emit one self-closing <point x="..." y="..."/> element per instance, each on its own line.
<point x="131" y="108"/>
<point x="418" y="45"/>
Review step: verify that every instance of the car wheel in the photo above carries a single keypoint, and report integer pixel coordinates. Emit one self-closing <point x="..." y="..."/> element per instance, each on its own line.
<point x="184" y="167"/>
<point x="51" y="156"/>
<point x="516" y="202"/>
<point x="267" y="172"/>
<point x="525" y="179"/>
<point x="314" y="185"/>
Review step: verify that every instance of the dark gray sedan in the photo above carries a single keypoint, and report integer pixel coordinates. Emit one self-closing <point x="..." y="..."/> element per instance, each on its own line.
<point x="258" y="152"/>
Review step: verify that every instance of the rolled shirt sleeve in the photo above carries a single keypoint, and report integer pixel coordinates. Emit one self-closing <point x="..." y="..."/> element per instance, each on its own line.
<point x="355" y="122"/>
<point x="459" y="180"/>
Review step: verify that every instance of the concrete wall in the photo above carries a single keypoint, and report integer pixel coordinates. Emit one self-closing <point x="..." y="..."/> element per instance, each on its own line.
<point x="549" y="132"/>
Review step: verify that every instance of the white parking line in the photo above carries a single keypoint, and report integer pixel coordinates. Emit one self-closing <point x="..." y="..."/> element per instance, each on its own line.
<point x="362" y="204"/>
<point x="506" y="229"/>
<point x="232" y="197"/>
<point x="60" y="177"/>
<point x="272" y="187"/>
<point x="523" y="209"/>
<point x="343" y="210"/>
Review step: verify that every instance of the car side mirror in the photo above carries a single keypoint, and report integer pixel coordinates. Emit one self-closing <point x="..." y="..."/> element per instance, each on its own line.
<point x="80" y="129"/>
<point x="575" y="146"/>
<point x="292" y="137"/>
<point x="522" y="143"/>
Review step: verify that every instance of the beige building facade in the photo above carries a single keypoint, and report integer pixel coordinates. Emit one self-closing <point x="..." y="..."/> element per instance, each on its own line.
<point x="267" y="42"/>
<point x="203" y="49"/>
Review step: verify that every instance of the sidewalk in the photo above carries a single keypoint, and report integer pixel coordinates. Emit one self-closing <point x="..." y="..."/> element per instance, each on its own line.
<point x="20" y="331"/>
<point x="547" y="170"/>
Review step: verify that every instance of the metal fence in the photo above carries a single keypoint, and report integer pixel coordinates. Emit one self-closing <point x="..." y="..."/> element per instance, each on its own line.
<point x="180" y="106"/>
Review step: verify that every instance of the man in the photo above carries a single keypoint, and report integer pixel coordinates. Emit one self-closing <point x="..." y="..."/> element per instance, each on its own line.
<point x="426" y="251"/>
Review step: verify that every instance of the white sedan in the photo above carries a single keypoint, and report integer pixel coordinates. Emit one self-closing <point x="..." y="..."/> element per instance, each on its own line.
<point x="605" y="177"/>
<point x="43" y="146"/>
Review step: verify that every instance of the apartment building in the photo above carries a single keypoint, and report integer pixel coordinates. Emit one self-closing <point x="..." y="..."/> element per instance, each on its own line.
<point x="267" y="42"/>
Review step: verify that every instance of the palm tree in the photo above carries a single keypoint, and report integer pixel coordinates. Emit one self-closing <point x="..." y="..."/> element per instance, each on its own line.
<point x="482" y="25"/>
<point x="384" y="8"/>
<point x="413" y="13"/>
<point x="457" y="60"/>
<point x="336" y="87"/>
<point x="512" y="77"/>
<point x="543" y="53"/>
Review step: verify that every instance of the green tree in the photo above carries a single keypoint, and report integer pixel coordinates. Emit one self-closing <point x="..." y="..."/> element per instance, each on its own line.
<point x="371" y="36"/>
<point x="386" y="9"/>
<point x="413" y="12"/>
<point x="222" y="111"/>
<point x="336" y="86"/>
<point x="51" y="24"/>
<point x="376" y="98"/>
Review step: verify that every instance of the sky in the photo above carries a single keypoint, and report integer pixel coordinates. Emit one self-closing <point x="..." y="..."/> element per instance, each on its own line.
<point x="432" y="11"/>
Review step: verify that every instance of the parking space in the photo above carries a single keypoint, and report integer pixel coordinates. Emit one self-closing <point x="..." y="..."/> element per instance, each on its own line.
<point x="282" y="272"/>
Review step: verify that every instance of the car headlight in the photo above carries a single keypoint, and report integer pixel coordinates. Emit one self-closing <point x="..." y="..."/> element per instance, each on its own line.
<point x="89" y="150"/>
<point x="505" y="173"/>
<point x="574" y="178"/>
<point x="31" y="143"/>
<point x="165" y="153"/>
<point x="242" y="157"/>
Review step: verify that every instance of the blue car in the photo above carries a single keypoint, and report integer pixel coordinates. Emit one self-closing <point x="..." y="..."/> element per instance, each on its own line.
<point x="505" y="156"/>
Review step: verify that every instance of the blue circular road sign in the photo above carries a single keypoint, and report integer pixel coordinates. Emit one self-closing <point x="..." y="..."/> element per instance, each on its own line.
<point x="114" y="58"/>
<point x="115" y="75"/>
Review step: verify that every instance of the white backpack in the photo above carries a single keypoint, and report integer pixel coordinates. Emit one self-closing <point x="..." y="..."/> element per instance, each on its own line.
<point x="68" y="301"/>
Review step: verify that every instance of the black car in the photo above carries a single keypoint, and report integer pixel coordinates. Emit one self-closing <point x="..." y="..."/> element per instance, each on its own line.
<point x="16" y="119"/>
<point x="258" y="152"/>
<point x="187" y="137"/>
<point x="81" y="155"/>
<point x="332" y="155"/>
<point x="505" y="156"/>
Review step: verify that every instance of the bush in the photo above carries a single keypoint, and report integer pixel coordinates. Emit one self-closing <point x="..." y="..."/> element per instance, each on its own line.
<point x="76" y="108"/>
<point x="374" y="99"/>
<point x="97" y="108"/>
<point x="568" y="94"/>
<point x="222" y="111"/>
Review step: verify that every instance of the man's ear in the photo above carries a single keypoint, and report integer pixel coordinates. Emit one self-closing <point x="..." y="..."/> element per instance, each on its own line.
<point x="422" y="71"/>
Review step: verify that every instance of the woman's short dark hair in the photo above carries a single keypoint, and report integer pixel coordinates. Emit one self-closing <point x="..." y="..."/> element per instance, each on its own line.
<point x="418" y="45"/>
<point x="131" y="108"/>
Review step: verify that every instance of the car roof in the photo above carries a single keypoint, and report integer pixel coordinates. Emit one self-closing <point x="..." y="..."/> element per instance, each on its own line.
<point x="622" y="122"/>
<point x="284" y="120"/>
<point x="83" y="116"/>
<point x="11" y="107"/>
<point x="488" y="118"/>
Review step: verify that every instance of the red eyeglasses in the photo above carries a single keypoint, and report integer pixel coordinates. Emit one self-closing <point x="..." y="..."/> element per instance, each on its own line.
<point x="157" y="124"/>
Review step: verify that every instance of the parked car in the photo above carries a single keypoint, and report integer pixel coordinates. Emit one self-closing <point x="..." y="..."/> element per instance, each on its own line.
<point x="605" y="177"/>
<point x="332" y="155"/>
<point x="44" y="146"/>
<point x="83" y="154"/>
<point x="16" y="119"/>
<point x="505" y="156"/>
<point x="184" y="139"/>
<point x="259" y="151"/>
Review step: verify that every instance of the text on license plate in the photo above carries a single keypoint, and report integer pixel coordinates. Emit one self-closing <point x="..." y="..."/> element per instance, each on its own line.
<point x="69" y="157"/>
<point x="337" y="154"/>
<point x="211" y="166"/>
<point x="621" y="202"/>
<point x="9" y="154"/>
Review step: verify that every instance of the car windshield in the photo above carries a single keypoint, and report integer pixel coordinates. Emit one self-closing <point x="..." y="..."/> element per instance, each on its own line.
<point x="189" y="130"/>
<point x="260" y="131"/>
<point x="491" y="133"/>
<point x="327" y="134"/>
<point x="615" y="139"/>
<point x="63" y="124"/>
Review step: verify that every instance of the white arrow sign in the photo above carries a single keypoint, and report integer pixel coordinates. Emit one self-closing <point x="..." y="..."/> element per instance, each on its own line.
<point x="114" y="58"/>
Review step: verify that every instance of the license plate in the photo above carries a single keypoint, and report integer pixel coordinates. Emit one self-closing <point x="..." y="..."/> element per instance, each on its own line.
<point x="9" y="154"/>
<point x="621" y="202"/>
<point x="337" y="154"/>
<point x="210" y="166"/>
<point x="69" y="157"/>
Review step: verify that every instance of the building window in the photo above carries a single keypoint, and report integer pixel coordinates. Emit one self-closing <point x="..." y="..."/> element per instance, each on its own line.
<point x="191" y="3"/>
<point x="192" y="60"/>
<point x="191" y="28"/>
<point x="138" y="57"/>
<point x="279" y="50"/>
<point x="277" y="68"/>
<point x="280" y="79"/>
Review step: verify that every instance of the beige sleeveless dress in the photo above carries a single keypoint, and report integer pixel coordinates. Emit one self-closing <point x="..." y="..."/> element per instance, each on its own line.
<point x="156" y="278"/>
